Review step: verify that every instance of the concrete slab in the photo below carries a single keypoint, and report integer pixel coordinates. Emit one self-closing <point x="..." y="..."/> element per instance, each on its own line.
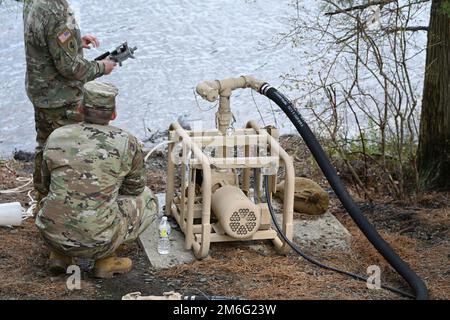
<point x="309" y="231"/>
<point x="321" y="231"/>
<point x="325" y="231"/>
<point x="149" y="241"/>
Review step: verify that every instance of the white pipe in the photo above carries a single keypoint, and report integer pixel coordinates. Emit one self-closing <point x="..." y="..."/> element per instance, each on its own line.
<point x="19" y="189"/>
<point x="10" y="214"/>
<point x="156" y="148"/>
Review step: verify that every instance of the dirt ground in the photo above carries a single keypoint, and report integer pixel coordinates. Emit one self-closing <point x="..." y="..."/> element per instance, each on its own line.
<point x="419" y="231"/>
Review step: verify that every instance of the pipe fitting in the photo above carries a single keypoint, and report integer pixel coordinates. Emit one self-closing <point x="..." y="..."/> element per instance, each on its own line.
<point x="209" y="90"/>
<point x="212" y="90"/>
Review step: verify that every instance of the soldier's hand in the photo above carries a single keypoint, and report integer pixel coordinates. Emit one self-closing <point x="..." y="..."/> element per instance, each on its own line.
<point x="88" y="40"/>
<point x="109" y="65"/>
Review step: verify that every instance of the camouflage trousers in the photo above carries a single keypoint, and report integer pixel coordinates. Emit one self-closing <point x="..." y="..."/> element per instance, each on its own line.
<point x="47" y="121"/>
<point x="136" y="214"/>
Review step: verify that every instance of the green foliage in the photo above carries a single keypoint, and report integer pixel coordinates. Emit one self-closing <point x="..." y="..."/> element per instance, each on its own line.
<point x="445" y="8"/>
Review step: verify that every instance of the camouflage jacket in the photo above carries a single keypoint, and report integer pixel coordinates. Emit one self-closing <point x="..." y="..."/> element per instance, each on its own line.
<point x="85" y="168"/>
<point x="56" y="68"/>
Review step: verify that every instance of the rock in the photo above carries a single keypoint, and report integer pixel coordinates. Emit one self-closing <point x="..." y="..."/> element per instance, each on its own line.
<point x="309" y="197"/>
<point x="24" y="156"/>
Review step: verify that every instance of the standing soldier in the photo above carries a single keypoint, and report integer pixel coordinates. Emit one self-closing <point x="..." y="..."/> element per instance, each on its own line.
<point x="56" y="69"/>
<point x="97" y="196"/>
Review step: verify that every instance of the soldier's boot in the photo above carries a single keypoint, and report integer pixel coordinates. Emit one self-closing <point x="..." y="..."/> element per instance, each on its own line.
<point x="106" y="268"/>
<point x="58" y="263"/>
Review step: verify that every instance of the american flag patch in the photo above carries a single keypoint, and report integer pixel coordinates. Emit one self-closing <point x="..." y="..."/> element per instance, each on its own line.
<point x="63" y="37"/>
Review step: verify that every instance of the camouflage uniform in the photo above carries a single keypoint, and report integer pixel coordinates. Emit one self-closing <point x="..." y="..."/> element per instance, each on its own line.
<point x="97" y="197"/>
<point x="56" y="69"/>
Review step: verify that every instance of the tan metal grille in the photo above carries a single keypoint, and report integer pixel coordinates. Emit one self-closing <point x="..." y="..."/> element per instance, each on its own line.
<point x="243" y="222"/>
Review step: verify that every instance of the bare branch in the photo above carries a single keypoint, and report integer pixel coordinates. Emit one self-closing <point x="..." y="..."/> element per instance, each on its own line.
<point x="360" y="7"/>
<point x="405" y="29"/>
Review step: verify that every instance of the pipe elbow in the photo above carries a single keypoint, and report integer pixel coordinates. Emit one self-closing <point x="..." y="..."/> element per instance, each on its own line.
<point x="209" y="90"/>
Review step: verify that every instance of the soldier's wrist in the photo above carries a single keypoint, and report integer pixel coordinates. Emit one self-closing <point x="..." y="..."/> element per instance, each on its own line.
<point x="101" y="68"/>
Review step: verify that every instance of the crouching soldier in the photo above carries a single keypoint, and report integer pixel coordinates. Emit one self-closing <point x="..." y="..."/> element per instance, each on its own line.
<point x="97" y="196"/>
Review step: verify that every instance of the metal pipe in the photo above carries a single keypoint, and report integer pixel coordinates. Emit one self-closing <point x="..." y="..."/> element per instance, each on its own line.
<point x="200" y="250"/>
<point x="170" y="180"/>
<point x="190" y="211"/>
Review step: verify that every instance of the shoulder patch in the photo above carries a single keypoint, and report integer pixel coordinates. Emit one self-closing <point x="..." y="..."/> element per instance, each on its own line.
<point x="65" y="36"/>
<point x="68" y="41"/>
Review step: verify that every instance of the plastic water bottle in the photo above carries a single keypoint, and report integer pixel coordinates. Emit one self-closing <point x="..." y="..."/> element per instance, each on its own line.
<point x="164" y="241"/>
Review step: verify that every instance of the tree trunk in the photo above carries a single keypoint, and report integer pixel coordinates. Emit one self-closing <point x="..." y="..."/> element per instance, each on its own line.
<point x="434" y="140"/>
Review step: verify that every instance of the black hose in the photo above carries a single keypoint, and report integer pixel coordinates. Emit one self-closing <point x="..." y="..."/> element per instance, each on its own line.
<point x="312" y="260"/>
<point x="415" y="282"/>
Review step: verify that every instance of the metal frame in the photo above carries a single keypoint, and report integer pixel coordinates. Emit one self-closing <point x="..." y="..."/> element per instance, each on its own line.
<point x="187" y="207"/>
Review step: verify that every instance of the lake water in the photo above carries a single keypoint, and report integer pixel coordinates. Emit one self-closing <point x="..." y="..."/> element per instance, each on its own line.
<point x="181" y="43"/>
